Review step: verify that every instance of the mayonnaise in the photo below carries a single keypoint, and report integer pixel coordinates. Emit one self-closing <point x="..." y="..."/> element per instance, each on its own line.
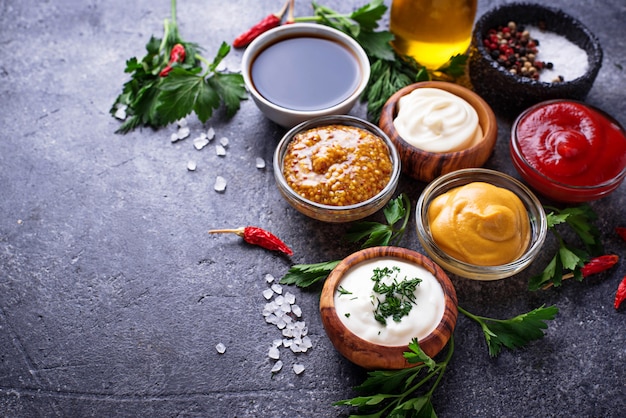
<point x="354" y="303"/>
<point x="435" y="120"/>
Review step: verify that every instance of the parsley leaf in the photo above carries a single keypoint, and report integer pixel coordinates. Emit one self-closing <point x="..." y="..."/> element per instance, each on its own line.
<point x="515" y="332"/>
<point x="569" y="258"/>
<point x="402" y="393"/>
<point x="306" y="275"/>
<point x="155" y="100"/>
<point x="379" y="234"/>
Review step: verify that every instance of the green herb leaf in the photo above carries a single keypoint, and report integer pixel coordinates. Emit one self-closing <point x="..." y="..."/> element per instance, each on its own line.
<point x="306" y="275"/>
<point x="404" y="392"/>
<point x="569" y="258"/>
<point x="515" y="332"/>
<point x="378" y="234"/>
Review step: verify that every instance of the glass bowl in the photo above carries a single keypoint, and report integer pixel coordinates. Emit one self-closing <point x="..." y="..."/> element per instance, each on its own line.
<point x="534" y="209"/>
<point x="603" y="164"/>
<point x="290" y="79"/>
<point x="509" y="94"/>
<point x="426" y="166"/>
<point x="331" y="213"/>
<point x="438" y="291"/>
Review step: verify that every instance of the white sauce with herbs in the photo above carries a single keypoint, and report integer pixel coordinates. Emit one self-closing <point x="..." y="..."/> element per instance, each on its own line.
<point x="354" y="306"/>
<point x="435" y="120"/>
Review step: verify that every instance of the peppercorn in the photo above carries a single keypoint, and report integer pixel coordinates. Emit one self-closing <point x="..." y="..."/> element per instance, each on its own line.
<point x="513" y="48"/>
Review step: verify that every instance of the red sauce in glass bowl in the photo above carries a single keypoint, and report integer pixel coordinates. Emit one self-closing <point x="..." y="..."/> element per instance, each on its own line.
<point x="569" y="151"/>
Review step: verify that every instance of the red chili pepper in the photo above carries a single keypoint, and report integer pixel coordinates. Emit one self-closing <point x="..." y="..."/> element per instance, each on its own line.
<point x="268" y="22"/>
<point x="599" y="264"/>
<point x="257" y="236"/>
<point x="176" y="55"/>
<point x="621" y="231"/>
<point x="620" y="295"/>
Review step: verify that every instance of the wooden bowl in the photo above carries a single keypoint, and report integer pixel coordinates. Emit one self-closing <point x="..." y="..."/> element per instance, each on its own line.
<point x="426" y="166"/>
<point x="373" y="355"/>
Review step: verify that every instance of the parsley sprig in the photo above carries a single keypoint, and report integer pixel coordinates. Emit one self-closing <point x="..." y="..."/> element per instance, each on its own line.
<point x="402" y="393"/>
<point x="194" y="85"/>
<point x="374" y="234"/>
<point x="568" y="257"/>
<point x="389" y="71"/>
<point x="514" y="332"/>
<point x="389" y="233"/>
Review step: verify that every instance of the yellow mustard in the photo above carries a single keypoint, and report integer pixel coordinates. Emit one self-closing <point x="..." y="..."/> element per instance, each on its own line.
<point x="480" y="224"/>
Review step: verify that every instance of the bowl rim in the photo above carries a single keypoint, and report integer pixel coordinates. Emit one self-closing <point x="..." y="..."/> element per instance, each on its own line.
<point x="445" y="326"/>
<point x="303" y="29"/>
<point x="391" y="110"/>
<point x="349" y="120"/>
<point x="564" y="187"/>
<point x="539" y="226"/>
<point x="594" y="54"/>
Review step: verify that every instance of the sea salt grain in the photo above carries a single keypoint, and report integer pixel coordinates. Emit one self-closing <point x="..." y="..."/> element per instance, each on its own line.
<point x="278" y="289"/>
<point x="277" y="366"/>
<point x="210" y="134"/>
<point x="220" y="184"/>
<point x="269" y="278"/>
<point x="298" y="368"/>
<point x="273" y="353"/>
<point x="260" y="163"/>
<point x="224" y="141"/>
<point x="200" y="142"/>
<point x="268" y="293"/>
<point x="221" y="348"/>
<point x="220" y="150"/>
<point x="568" y="59"/>
<point x="191" y="165"/>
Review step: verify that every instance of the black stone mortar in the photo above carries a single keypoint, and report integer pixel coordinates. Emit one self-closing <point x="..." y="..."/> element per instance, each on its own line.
<point x="509" y="94"/>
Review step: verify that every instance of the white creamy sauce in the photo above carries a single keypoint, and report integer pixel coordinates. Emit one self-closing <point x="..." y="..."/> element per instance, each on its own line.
<point x="356" y="309"/>
<point x="569" y="60"/>
<point x="435" y="120"/>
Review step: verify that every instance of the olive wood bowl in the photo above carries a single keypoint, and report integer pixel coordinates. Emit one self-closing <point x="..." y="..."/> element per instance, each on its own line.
<point x="426" y="166"/>
<point x="375" y="356"/>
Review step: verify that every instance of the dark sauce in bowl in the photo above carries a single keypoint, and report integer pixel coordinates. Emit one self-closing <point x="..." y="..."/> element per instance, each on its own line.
<point x="306" y="73"/>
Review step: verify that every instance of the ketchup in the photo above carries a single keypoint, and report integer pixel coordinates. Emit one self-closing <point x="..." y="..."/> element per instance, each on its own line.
<point x="569" y="151"/>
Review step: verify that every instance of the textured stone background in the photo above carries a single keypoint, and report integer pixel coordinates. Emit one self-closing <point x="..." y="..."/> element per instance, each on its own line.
<point x="113" y="296"/>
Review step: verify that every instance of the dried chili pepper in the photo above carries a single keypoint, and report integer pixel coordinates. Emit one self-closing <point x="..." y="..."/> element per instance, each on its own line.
<point x="620" y="295"/>
<point x="599" y="264"/>
<point x="176" y="55"/>
<point x="621" y="231"/>
<point x="268" y="22"/>
<point x="257" y="236"/>
<point x="593" y="266"/>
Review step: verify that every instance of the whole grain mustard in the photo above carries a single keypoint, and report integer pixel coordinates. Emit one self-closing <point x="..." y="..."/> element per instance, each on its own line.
<point x="337" y="165"/>
<point x="480" y="224"/>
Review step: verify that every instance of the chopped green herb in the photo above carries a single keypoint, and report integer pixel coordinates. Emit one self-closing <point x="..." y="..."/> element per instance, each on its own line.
<point x="347" y="315"/>
<point x="396" y="299"/>
<point x="343" y="291"/>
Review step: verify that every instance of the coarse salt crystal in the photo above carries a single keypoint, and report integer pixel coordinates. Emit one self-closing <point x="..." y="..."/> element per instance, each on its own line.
<point x="221" y="348"/>
<point x="210" y="133"/>
<point x="268" y="293"/>
<point x="277" y="366"/>
<point x="298" y="368"/>
<point x="120" y="112"/>
<point x="174" y="137"/>
<point x="191" y="165"/>
<point x="277" y="343"/>
<point x="220" y="184"/>
<point x="269" y="278"/>
<point x="183" y="133"/>
<point x="260" y="163"/>
<point x="297" y="311"/>
<point x="200" y="143"/>
<point x="290" y="298"/>
<point x="181" y="122"/>
<point x="224" y="141"/>
<point x="277" y="288"/>
<point x="220" y="151"/>
<point x="273" y="353"/>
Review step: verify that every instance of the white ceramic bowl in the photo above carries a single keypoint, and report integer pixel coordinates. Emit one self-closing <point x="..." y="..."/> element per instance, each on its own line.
<point x="288" y="117"/>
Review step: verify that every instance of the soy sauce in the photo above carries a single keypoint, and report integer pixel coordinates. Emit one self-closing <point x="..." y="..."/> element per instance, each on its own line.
<point x="306" y="73"/>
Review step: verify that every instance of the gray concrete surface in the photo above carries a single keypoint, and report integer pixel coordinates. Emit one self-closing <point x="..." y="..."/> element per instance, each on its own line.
<point x="113" y="296"/>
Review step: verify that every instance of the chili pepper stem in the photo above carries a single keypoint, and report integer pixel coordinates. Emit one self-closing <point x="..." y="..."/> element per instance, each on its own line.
<point x="282" y="11"/>
<point x="238" y="231"/>
<point x="290" y="18"/>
